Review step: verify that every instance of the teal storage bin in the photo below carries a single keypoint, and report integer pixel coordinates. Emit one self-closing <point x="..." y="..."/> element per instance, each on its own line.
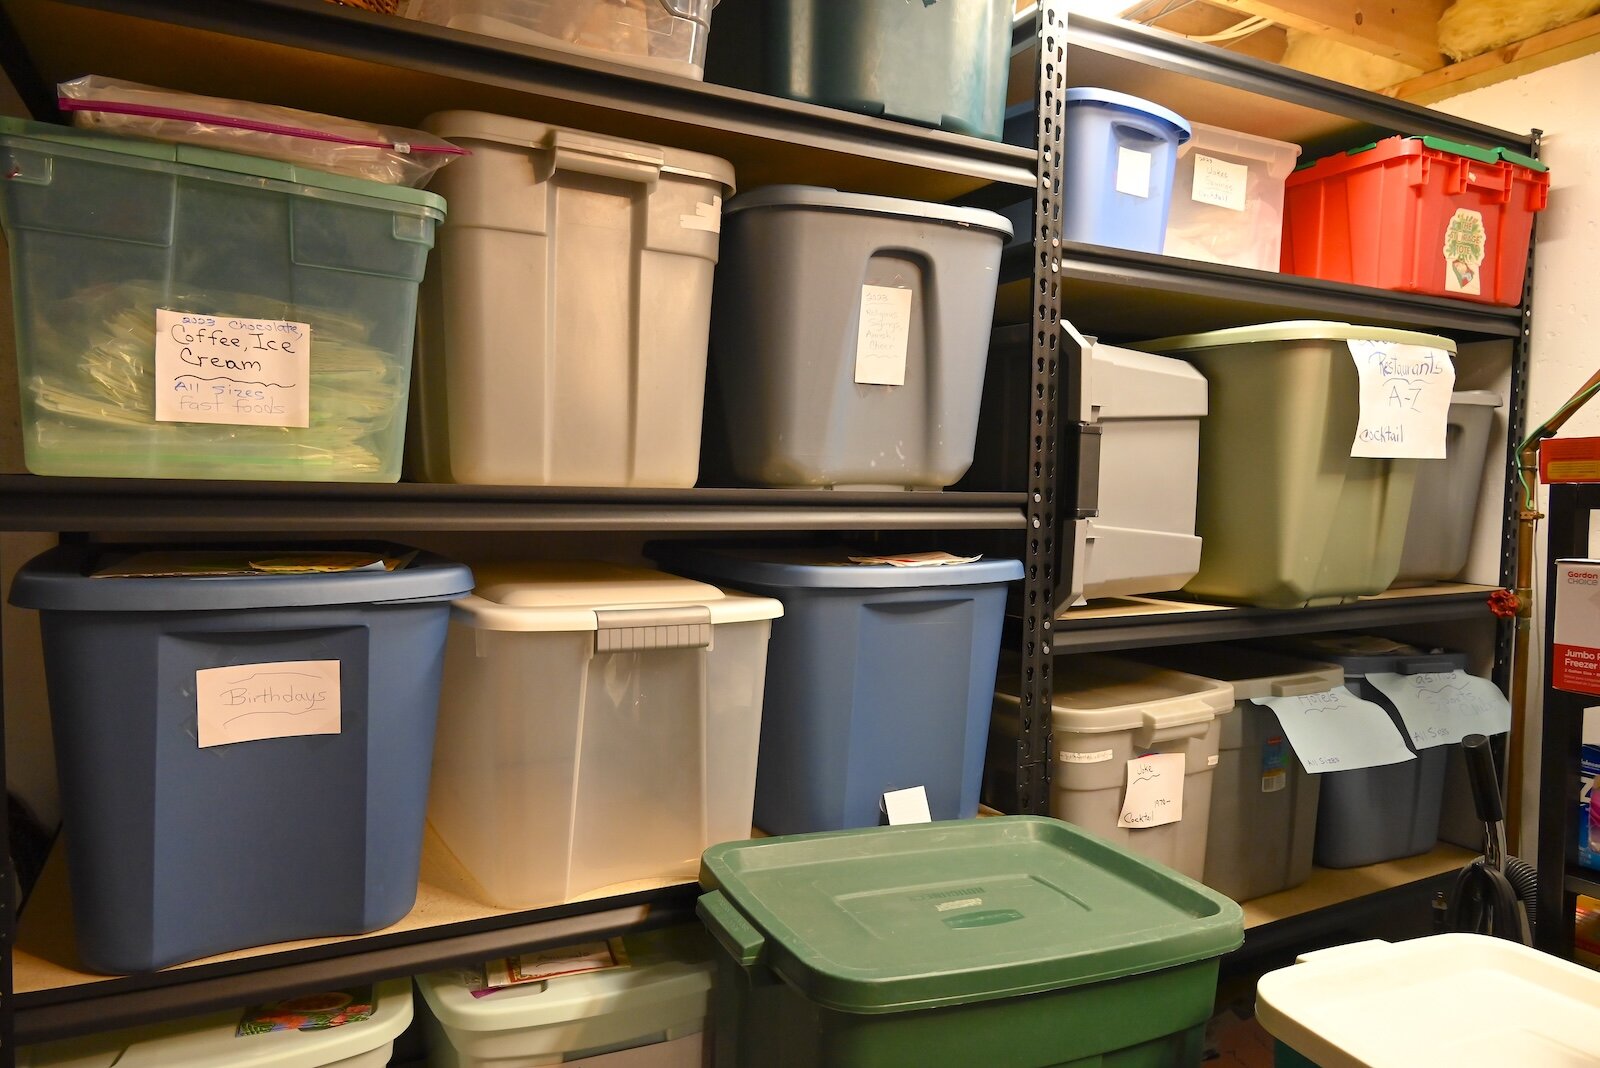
<point x="935" y="64"/>
<point x="104" y="231"/>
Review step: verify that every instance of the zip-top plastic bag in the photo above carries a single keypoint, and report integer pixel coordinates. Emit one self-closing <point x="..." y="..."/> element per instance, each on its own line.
<point x="343" y="146"/>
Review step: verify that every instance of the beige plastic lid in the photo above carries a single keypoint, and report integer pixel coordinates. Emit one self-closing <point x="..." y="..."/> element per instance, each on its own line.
<point x="1295" y="330"/>
<point x="1099" y="694"/>
<point x="1253" y="673"/>
<point x="561" y="595"/>
<point x="614" y="155"/>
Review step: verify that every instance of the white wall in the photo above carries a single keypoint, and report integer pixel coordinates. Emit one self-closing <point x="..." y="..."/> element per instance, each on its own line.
<point x="1561" y="101"/>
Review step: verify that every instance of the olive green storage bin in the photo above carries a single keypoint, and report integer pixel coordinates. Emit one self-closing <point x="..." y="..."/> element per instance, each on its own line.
<point x="1012" y="942"/>
<point x="1286" y="516"/>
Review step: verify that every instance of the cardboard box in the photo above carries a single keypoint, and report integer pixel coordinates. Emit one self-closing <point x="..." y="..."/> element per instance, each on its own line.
<point x="1575" y="656"/>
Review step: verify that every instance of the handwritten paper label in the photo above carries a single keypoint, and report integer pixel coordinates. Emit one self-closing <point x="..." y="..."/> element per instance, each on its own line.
<point x="907" y="806"/>
<point x="1133" y="172"/>
<point x="1405" y="400"/>
<point x="251" y="702"/>
<point x="224" y="369"/>
<point x="1216" y="181"/>
<point x="1337" y="731"/>
<point x="1155" y="791"/>
<point x="882" y="336"/>
<point x="1099" y="756"/>
<point x="1440" y="708"/>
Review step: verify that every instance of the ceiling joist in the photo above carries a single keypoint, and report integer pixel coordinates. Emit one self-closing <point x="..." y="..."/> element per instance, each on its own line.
<point x="1403" y="30"/>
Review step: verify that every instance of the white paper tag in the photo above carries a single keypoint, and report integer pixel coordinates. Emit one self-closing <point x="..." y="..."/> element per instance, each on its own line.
<point x="882" y="336"/>
<point x="931" y="559"/>
<point x="224" y="369"/>
<point x="1213" y="760"/>
<point x="1405" y="400"/>
<point x="1337" y="731"/>
<point x="1216" y="181"/>
<point x="1099" y="756"/>
<point x="1466" y="243"/>
<point x="1133" y="172"/>
<point x="1155" y="791"/>
<point x="250" y="702"/>
<point x="907" y="806"/>
<point x="1440" y="708"/>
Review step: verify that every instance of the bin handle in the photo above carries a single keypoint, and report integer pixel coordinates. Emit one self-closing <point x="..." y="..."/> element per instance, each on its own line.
<point x="733" y="932"/>
<point x="1300" y="685"/>
<point x="606" y="157"/>
<point x="1121" y="127"/>
<point x="1419" y="665"/>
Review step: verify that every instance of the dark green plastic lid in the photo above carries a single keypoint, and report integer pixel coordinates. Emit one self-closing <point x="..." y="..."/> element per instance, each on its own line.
<point x="1456" y="148"/>
<point x="891" y="919"/>
<point x="19" y="131"/>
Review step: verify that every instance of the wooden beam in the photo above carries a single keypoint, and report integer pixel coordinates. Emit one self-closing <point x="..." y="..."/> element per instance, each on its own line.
<point x="1404" y="30"/>
<point x="1199" y="20"/>
<point x="1572" y="41"/>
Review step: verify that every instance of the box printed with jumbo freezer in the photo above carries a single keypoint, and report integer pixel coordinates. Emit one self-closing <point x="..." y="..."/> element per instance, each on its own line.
<point x="1575" y="661"/>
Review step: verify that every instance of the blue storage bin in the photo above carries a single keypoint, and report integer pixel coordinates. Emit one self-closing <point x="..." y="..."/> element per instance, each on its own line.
<point x="1121" y="152"/>
<point x="879" y="678"/>
<point x="183" y="842"/>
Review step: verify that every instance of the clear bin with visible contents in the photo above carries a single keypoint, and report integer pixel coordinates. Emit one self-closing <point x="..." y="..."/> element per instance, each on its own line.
<point x="1227" y="198"/>
<point x="661" y="35"/>
<point x="189" y="313"/>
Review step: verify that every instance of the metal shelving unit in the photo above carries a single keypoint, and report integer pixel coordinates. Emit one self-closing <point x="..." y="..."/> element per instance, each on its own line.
<point x="307" y="52"/>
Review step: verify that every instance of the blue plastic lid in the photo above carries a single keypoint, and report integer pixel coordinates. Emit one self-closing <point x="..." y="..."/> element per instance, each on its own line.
<point x="1137" y="105"/>
<point x="61" y="579"/>
<point x="821" y="568"/>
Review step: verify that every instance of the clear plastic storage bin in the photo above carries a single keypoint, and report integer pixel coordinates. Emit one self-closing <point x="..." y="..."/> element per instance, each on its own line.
<point x="252" y="257"/>
<point x="562" y="336"/>
<point x="1227" y="198"/>
<point x="597" y="724"/>
<point x="1107" y="712"/>
<point x="662" y="35"/>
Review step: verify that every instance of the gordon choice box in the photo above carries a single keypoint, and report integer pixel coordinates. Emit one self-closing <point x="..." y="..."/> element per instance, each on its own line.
<point x="1575" y="661"/>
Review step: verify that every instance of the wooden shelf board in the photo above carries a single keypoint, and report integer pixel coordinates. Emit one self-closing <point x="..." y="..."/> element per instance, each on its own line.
<point x="1126" y="607"/>
<point x="1333" y="886"/>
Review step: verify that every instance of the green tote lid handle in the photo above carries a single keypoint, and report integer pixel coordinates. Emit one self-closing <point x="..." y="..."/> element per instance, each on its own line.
<point x="731" y="930"/>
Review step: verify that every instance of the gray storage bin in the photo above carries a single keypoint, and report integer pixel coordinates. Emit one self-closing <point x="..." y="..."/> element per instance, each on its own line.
<point x="801" y="393"/>
<point x="1263" y="802"/>
<point x="1371" y="815"/>
<point x="1445" y="500"/>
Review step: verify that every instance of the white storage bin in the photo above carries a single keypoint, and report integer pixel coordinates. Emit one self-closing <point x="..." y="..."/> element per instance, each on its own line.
<point x="664" y="35"/>
<point x="212" y="1041"/>
<point x="1148" y="410"/>
<point x="649" y="1014"/>
<point x="1108" y="711"/>
<point x="562" y="332"/>
<point x="1227" y="198"/>
<point x="597" y="724"/>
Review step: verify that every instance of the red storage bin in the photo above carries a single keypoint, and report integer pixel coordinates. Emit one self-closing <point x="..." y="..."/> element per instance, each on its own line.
<point x="1418" y="214"/>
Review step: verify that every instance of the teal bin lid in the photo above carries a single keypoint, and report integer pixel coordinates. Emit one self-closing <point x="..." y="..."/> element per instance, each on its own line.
<point x="45" y="137"/>
<point x="821" y="568"/>
<point x="1107" y="98"/>
<point x="894" y="919"/>
<point x="1297" y="330"/>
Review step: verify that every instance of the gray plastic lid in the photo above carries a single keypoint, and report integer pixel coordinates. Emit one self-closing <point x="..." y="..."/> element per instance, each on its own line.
<point x="825" y="199"/>
<point x="1361" y="654"/>
<point x="1294" y="330"/>
<point x="822" y="569"/>
<point x="59" y="580"/>
<point x="1124" y="102"/>
<point x="1484" y="398"/>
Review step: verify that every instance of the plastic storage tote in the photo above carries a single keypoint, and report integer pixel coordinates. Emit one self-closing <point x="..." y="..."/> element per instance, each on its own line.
<point x="1417" y="214"/>
<point x="111" y="237"/>
<point x="1263" y="803"/>
<point x="562" y="334"/>
<point x="940" y="64"/>
<point x="604" y="718"/>
<point x="1107" y="711"/>
<point x="1227" y="199"/>
<point x="1121" y="155"/>
<point x="878" y="680"/>
<point x="188" y="824"/>
<point x="849" y="336"/>
<point x="649" y="1013"/>
<point x="1143" y="414"/>
<point x="1012" y="942"/>
<point x="1468" y="1000"/>
<point x="1287" y="516"/>
<point x="1376" y="814"/>
<point x="231" y="1038"/>
<point x="1445" y="501"/>
<point x="662" y="35"/>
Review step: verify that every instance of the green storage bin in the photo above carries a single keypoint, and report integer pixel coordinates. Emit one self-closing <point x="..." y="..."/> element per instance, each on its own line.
<point x="103" y="231"/>
<point x="1286" y="516"/>
<point x="1011" y="942"/>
